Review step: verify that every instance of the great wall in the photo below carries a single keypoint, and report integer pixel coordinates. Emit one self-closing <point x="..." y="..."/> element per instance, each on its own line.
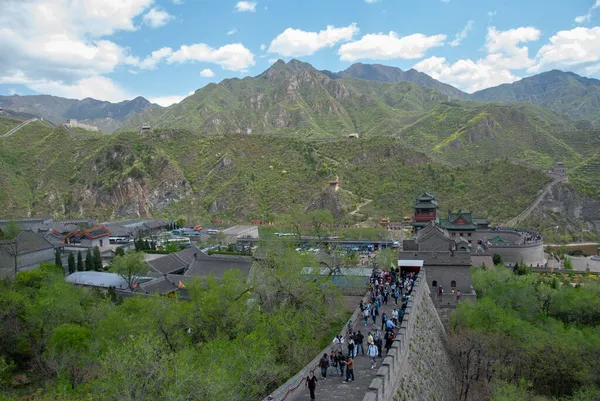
<point x="418" y="366"/>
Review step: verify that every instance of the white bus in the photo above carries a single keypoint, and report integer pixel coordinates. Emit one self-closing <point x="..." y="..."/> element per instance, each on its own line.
<point x="185" y="242"/>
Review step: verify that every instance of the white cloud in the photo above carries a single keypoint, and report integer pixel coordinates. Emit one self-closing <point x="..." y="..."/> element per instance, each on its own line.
<point x="380" y="46"/>
<point x="12" y="91"/>
<point x="99" y="87"/>
<point x="504" y="47"/>
<point x="155" y="18"/>
<point x="167" y="101"/>
<point x="245" y="6"/>
<point x="58" y="43"/>
<point x="371" y="1"/>
<point x="445" y="1"/>
<point x="466" y="74"/>
<point x="263" y="47"/>
<point x="505" y="54"/>
<point x="295" y="42"/>
<point x="577" y="49"/>
<point x="587" y="17"/>
<point x="150" y="62"/>
<point x="462" y="35"/>
<point x="207" y="73"/>
<point x="177" y="2"/>
<point x="233" y="57"/>
<point x="231" y="32"/>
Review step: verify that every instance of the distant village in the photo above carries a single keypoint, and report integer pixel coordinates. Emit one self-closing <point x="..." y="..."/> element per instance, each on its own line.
<point x="447" y="246"/>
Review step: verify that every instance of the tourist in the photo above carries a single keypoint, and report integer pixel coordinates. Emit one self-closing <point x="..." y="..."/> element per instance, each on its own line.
<point x="372" y="351"/>
<point x="457" y="296"/>
<point x="358" y="342"/>
<point x="389" y="339"/>
<point x="337" y="343"/>
<point x="349" y="370"/>
<point x="333" y="361"/>
<point x="384" y="318"/>
<point x="396" y="296"/>
<point x="350" y="347"/>
<point x="311" y="384"/>
<point x="374" y="314"/>
<point x="324" y="365"/>
<point x="389" y="326"/>
<point x="378" y="341"/>
<point x="341" y="363"/>
<point x="395" y="316"/>
<point x="366" y="314"/>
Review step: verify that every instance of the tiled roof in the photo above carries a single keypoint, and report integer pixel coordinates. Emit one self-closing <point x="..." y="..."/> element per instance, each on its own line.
<point x="29" y="241"/>
<point x="91" y="233"/>
<point x="165" y="284"/>
<point x="168" y="264"/>
<point x="217" y="265"/>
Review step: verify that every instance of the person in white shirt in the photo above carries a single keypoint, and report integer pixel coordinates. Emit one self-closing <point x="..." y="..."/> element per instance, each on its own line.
<point x="373" y="352"/>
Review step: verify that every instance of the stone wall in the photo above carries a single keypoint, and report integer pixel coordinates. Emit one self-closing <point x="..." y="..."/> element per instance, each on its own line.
<point x="528" y="254"/>
<point x="418" y="366"/>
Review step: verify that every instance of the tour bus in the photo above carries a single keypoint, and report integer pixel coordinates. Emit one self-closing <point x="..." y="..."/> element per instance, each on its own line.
<point x="183" y="242"/>
<point x="212" y="231"/>
<point x="119" y="240"/>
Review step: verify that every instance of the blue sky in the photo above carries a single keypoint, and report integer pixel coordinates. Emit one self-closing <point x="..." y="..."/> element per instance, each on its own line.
<point x="165" y="49"/>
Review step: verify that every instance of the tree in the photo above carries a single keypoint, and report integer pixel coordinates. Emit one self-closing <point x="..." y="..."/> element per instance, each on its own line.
<point x="80" y="266"/>
<point x="180" y="222"/>
<point x="58" y="260"/>
<point x="12" y="229"/>
<point x="97" y="259"/>
<point x="89" y="260"/>
<point x="568" y="263"/>
<point x="68" y="352"/>
<point x="71" y="263"/>
<point x="497" y="259"/>
<point x="318" y="218"/>
<point x="386" y="259"/>
<point x="1" y="234"/>
<point x="221" y="237"/>
<point x="129" y="266"/>
<point x="120" y="252"/>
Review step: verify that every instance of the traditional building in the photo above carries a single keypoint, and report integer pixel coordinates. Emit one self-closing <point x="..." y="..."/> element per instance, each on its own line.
<point x="90" y="238"/>
<point x="447" y="261"/>
<point x="463" y="224"/>
<point x="425" y="210"/>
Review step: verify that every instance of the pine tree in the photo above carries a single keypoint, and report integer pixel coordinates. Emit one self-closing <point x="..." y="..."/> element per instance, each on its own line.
<point x="120" y="252"/>
<point x="89" y="261"/>
<point x="71" y="263"/>
<point x="97" y="259"/>
<point x="58" y="260"/>
<point x="146" y="245"/>
<point x="80" y="267"/>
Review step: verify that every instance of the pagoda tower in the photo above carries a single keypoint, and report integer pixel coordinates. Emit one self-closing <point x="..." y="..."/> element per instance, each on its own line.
<point x="425" y="210"/>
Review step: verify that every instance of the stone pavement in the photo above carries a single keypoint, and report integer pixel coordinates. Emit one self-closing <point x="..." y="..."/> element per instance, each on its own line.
<point x="333" y="388"/>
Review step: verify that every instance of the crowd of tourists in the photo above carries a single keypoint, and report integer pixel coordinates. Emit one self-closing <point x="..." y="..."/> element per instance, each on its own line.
<point x="380" y="329"/>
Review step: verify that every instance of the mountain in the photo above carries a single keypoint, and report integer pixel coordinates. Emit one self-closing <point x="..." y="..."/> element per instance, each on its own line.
<point x="107" y="116"/>
<point x="565" y="92"/>
<point x="384" y="73"/>
<point x="295" y="99"/>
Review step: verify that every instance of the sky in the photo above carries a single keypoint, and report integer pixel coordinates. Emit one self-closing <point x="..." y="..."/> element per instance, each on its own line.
<point x="164" y="50"/>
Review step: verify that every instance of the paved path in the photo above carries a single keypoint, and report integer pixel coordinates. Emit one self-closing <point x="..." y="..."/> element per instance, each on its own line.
<point x="333" y="389"/>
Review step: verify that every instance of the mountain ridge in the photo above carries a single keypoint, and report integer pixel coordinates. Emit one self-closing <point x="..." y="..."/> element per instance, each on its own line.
<point x="107" y="116"/>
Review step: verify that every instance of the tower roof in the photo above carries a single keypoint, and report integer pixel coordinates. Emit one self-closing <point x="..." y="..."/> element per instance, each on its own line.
<point x="426" y="201"/>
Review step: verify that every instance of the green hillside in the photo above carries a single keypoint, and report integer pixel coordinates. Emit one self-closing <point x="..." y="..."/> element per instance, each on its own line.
<point x="565" y="92"/>
<point x="170" y="173"/>
<point x="463" y="132"/>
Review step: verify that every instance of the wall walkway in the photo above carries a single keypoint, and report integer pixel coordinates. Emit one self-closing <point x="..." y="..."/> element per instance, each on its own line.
<point x="417" y="367"/>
